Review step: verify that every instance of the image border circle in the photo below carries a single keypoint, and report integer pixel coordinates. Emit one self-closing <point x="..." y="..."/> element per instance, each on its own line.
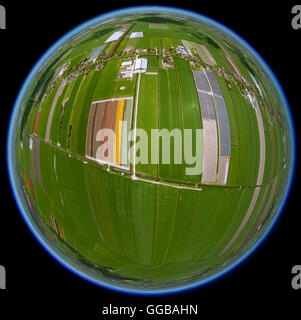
<point x="10" y="152"/>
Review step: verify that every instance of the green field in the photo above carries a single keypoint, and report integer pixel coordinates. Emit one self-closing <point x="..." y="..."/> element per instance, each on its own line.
<point x="190" y="108"/>
<point x="105" y="88"/>
<point x="148" y="119"/>
<point x="150" y="223"/>
<point x="170" y="119"/>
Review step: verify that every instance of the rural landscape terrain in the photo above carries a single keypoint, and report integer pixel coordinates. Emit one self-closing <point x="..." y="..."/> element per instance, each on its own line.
<point x="152" y="224"/>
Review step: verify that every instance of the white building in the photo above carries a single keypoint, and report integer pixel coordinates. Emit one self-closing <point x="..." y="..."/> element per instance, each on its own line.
<point x="183" y="51"/>
<point x="136" y="35"/>
<point x="126" y="74"/>
<point x="126" y="63"/>
<point x="140" y="65"/>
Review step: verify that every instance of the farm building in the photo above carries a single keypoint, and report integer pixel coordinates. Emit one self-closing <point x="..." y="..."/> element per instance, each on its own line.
<point x="140" y="65"/>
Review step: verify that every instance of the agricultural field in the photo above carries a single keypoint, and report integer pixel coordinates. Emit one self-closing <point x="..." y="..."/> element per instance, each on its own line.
<point x="126" y="210"/>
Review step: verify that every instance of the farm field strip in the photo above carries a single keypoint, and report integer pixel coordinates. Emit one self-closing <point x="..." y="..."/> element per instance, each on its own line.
<point x="109" y="114"/>
<point x="191" y="117"/>
<point x="201" y="50"/>
<point x="76" y="118"/>
<point x="44" y="112"/>
<point x="243" y="164"/>
<point x="253" y="139"/>
<point x="35" y="160"/>
<point x="158" y="26"/>
<point x="135" y="124"/>
<point x="210" y="151"/>
<point x="204" y="54"/>
<point x="170" y="119"/>
<point x="57" y="114"/>
<point x="210" y="140"/>
<point x="213" y="108"/>
<point x="80" y="119"/>
<point x="146" y="117"/>
<point x="65" y="128"/>
<point x="53" y="105"/>
<point x="258" y="182"/>
<point x="105" y="88"/>
<point x="232" y="64"/>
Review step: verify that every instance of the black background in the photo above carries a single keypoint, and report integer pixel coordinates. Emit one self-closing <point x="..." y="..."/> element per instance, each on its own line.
<point x="37" y="286"/>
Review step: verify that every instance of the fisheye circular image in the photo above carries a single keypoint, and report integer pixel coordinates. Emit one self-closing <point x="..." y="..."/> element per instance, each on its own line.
<point x="150" y="150"/>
